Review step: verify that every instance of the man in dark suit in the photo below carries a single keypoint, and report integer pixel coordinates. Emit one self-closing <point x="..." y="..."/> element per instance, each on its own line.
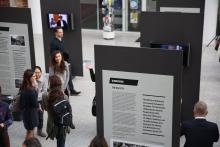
<point x="62" y="23"/>
<point x="200" y="132"/>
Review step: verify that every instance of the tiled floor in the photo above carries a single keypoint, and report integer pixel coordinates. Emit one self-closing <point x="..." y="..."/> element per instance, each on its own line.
<point x="86" y="123"/>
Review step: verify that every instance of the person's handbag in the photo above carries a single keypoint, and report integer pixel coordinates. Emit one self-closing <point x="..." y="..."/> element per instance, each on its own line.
<point x="94" y="106"/>
<point x="15" y="108"/>
<point x="15" y="105"/>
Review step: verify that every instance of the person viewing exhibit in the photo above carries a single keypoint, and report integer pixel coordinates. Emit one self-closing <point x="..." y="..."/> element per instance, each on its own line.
<point x="31" y="142"/>
<point x="42" y="84"/>
<point x="5" y="121"/>
<point x="92" y="76"/>
<point x="28" y="102"/>
<point x="60" y="68"/>
<point x="98" y="141"/>
<point x="57" y="43"/>
<point x="200" y="132"/>
<point x="55" y="92"/>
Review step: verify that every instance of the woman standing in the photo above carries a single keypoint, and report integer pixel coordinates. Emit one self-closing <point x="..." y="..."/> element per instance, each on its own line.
<point x="28" y="102"/>
<point x="55" y="93"/>
<point x="60" y="68"/>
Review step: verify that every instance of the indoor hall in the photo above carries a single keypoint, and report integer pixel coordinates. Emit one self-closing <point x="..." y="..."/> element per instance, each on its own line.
<point x="84" y="121"/>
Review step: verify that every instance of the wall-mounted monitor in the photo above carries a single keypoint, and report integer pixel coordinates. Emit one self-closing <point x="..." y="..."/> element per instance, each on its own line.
<point x="64" y="20"/>
<point x="176" y="46"/>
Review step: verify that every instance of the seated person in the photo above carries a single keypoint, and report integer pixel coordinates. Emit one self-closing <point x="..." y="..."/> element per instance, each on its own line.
<point x="200" y="132"/>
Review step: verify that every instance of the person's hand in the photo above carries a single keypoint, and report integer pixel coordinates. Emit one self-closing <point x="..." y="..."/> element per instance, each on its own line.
<point x="88" y="66"/>
<point x="2" y="125"/>
<point x="40" y="108"/>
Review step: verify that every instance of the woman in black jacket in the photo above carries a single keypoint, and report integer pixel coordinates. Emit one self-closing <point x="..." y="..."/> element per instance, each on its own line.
<point x="28" y="102"/>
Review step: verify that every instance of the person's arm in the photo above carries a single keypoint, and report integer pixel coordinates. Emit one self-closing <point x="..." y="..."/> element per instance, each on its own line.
<point x="34" y="96"/>
<point x="45" y="101"/>
<point x="92" y="74"/>
<point x="216" y="133"/>
<point x="67" y="78"/>
<point x="8" y="117"/>
<point x="51" y="71"/>
<point x="53" y="46"/>
<point x="44" y="87"/>
<point x="182" y="131"/>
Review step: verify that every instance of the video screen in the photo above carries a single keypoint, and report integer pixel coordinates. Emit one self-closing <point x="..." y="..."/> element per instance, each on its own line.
<point x="177" y="46"/>
<point x="56" y="19"/>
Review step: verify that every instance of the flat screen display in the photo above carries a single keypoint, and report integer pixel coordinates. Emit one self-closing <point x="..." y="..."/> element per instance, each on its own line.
<point x="177" y="46"/>
<point x="63" y="20"/>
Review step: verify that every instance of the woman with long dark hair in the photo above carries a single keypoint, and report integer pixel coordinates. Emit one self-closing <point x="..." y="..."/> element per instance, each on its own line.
<point x="55" y="93"/>
<point x="28" y="102"/>
<point x="60" y="68"/>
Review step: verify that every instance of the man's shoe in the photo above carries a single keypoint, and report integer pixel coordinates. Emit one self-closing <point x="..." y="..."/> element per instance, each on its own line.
<point x="72" y="126"/>
<point x="40" y="133"/>
<point x="75" y="92"/>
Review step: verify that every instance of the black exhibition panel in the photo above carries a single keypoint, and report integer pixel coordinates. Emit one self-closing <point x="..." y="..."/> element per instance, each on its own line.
<point x="23" y="16"/>
<point x="72" y="36"/>
<point x="178" y="28"/>
<point x="139" y="60"/>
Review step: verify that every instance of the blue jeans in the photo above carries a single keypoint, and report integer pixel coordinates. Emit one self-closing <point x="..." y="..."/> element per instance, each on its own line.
<point x="61" y="140"/>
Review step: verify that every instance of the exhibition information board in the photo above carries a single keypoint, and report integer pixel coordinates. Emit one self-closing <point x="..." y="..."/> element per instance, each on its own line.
<point x="14" y="55"/>
<point x="137" y="108"/>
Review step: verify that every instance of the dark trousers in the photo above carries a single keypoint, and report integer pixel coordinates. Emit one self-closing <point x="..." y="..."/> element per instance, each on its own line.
<point x="40" y="118"/>
<point x="4" y="138"/>
<point x="70" y="83"/>
<point x="61" y="140"/>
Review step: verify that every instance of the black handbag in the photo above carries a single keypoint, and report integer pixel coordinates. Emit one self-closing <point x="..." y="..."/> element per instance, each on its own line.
<point x="94" y="106"/>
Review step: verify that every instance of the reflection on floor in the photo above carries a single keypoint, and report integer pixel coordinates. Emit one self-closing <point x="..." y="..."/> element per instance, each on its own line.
<point x="84" y="121"/>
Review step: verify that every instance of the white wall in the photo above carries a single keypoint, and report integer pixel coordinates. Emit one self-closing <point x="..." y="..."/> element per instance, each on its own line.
<point x="210" y="20"/>
<point x="37" y="31"/>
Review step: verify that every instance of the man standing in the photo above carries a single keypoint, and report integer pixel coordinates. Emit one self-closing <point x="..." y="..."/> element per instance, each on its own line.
<point x="58" y="44"/>
<point x="42" y="84"/>
<point x="200" y="132"/>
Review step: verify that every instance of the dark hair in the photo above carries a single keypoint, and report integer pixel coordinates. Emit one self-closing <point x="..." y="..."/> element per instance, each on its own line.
<point x="38" y="67"/>
<point x="55" y="89"/>
<point x="57" y="68"/>
<point x="26" y="83"/>
<point x="32" y="142"/>
<point x="57" y="28"/>
<point x="98" y="141"/>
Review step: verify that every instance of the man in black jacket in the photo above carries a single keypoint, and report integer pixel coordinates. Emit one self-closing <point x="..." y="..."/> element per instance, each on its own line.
<point x="200" y="132"/>
<point x="57" y="43"/>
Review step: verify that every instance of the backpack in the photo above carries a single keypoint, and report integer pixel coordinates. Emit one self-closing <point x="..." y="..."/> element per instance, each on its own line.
<point x="62" y="113"/>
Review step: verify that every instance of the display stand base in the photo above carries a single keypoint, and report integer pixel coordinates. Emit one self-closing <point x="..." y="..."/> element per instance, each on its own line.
<point x="108" y="35"/>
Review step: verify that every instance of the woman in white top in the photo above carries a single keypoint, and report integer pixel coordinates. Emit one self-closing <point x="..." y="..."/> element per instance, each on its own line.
<point x="60" y="68"/>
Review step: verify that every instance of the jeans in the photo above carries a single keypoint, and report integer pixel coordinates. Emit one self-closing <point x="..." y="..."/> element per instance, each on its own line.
<point x="61" y="140"/>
